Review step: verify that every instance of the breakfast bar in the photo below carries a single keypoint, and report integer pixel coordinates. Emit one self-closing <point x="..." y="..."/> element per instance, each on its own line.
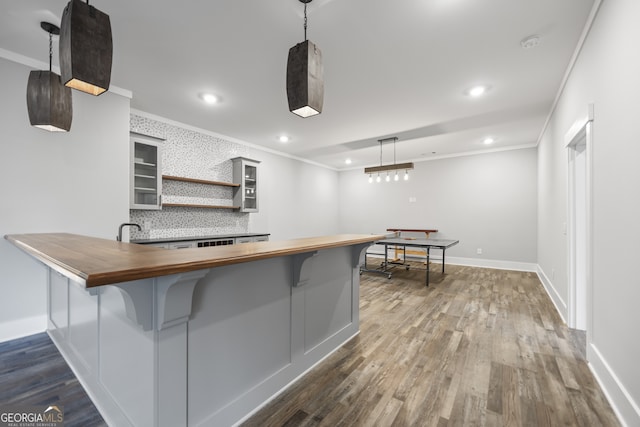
<point x="201" y="336"/>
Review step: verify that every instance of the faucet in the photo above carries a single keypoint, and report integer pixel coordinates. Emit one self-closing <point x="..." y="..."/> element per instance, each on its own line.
<point x="130" y="224"/>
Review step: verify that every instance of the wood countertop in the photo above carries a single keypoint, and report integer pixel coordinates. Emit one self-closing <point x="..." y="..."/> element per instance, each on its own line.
<point x="94" y="262"/>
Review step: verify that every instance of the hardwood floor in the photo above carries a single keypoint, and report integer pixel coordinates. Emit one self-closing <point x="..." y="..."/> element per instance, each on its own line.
<point x="479" y="347"/>
<point x="32" y="372"/>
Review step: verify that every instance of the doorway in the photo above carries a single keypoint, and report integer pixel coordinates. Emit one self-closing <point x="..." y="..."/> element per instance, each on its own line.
<point x="579" y="150"/>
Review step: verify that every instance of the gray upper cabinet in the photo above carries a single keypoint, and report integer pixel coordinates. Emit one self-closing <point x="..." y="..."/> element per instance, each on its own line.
<point x="246" y="174"/>
<point x="146" y="172"/>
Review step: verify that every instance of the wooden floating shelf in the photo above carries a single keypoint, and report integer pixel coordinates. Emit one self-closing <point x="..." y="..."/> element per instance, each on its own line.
<point x="189" y="205"/>
<point x="200" y="181"/>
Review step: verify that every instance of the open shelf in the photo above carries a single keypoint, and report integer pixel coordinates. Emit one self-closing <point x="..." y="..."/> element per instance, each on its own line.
<point x="199" y="181"/>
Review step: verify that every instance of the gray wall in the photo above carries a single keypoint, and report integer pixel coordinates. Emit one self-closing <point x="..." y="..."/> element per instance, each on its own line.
<point x="299" y="199"/>
<point x="486" y="201"/>
<point x="55" y="182"/>
<point x="606" y="74"/>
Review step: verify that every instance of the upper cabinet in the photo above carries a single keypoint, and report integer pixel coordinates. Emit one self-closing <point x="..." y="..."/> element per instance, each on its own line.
<point x="245" y="173"/>
<point x="146" y="172"/>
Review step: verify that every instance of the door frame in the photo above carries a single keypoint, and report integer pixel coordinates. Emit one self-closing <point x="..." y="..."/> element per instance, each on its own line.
<point x="581" y="130"/>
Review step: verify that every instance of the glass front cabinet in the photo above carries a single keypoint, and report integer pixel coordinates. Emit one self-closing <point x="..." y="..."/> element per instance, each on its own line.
<point x="146" y="172"/>
<point x="245" y="173"/>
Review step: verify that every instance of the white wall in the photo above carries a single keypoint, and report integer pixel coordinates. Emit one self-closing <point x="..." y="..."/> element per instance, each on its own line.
<point x="298" y="198"/>
<point x="55" y="182"/>
<point x="486" y="201"/>
<point x="606" y="74"/>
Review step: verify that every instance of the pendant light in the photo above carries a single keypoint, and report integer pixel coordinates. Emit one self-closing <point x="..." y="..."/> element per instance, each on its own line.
<point x="48" y="100"/>
<point x="305" y="85"/>
<point x="391" y="167"/>
<point x="86" y="48"/>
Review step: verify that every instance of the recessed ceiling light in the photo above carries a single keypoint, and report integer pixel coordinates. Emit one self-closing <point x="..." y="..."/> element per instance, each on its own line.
<point x="209" y="98"/>
<point x="488" y="140"/>
<point x="348" y="161"/>
<point x="283" y="138"/>
<point x="477" y="91"/>
<point x="530" y="42"/>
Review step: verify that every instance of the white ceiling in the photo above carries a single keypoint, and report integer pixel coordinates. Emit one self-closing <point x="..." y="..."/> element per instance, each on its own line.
<point x="392" y="68"/>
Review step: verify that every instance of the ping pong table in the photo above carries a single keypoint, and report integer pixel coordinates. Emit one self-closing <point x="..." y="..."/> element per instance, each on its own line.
<point x="396" y="242"/>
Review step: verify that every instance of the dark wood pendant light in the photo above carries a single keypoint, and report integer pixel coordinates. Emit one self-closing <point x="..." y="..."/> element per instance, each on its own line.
<point x="49" y="102"/>
<point x="86" y="48"/>
<point x="305" y="84"/>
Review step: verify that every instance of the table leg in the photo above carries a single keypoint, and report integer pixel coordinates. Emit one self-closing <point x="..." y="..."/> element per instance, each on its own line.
<point x="443" y="250"/>
<point x="428" y="254"/>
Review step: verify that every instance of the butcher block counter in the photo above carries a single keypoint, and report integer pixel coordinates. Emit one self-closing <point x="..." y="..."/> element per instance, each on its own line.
<point x="94" y="262"/>
<point x="196" y="337"/>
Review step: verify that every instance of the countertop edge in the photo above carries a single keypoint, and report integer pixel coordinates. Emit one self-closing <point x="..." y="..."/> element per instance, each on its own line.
<point x="76" y="256"/>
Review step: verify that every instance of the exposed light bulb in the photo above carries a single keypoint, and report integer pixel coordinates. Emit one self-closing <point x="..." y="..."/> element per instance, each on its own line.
<point x="348" y="161"/>
<point x="370" y="179"/>
<point x="388" y="178"/>
<point x="406" y="175"/>
<point x="378" y="179"/>
<point x="283" y="138"/>
<point x="395" y="178"/>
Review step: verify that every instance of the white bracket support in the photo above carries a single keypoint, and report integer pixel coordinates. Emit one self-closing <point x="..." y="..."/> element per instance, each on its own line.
<point x="357" y="253"/>
<point x="174" y="296"/>
<point x="302" y="267"/>
<point x="171" y="296"/>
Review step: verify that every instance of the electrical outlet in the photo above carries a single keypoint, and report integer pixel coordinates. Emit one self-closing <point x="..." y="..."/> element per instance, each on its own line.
<point x="147" y="225"/>
<point x="412" y="199"/>
<point x="479" y="251"/>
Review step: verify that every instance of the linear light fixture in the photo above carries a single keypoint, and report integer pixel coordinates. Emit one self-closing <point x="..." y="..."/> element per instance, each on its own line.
<point x="86" y="48"/>
<point x="49" y="102"/>
<point x="387" y="168"/>
<point x="305" y="85"/>
<point x="390" y="167"/>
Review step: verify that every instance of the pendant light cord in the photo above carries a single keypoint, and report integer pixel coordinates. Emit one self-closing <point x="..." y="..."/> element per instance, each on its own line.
<point x="305" y="22"/>
<point x="50" y="49"/>
<point x="394" y="150"/>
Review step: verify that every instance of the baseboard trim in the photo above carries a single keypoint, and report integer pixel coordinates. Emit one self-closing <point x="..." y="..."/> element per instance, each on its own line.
<point x="556" y="298"/>
<point x="492" y="263"/>
<point x="627" y="411"/>
<point x="22" y="327"/>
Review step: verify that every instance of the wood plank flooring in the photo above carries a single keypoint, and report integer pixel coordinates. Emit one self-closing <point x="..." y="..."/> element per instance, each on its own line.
<point x="32" y="372"/>
<point x="479" y="347"/>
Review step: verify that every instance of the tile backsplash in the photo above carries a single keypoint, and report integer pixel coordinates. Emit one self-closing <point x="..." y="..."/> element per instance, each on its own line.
<point x="191" y="154"/>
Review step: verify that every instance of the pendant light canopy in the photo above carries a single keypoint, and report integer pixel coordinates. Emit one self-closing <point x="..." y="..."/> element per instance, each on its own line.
<point x="48" y="101"/>
<point x="305" y="85"/>
<point x="86" y="48"/>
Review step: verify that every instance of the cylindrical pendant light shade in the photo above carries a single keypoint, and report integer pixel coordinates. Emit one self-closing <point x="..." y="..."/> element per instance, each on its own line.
<point x="86" y="48"/>
<point x="49" y="102"/>
<point x="305" y="84"/>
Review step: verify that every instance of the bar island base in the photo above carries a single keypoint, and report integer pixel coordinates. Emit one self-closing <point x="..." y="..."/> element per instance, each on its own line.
<point x="205" y="347"/>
